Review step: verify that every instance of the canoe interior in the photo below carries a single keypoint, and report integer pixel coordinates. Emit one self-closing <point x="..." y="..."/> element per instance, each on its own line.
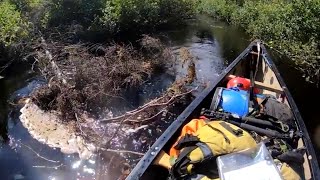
<point x="267" y="80"/>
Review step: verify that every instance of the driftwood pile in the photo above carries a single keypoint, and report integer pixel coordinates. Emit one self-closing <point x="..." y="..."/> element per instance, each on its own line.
<point x="84" y="80"/>
<point x="88" y="78"/>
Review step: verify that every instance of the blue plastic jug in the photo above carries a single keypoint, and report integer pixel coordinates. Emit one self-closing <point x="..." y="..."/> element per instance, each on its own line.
<point x="233" y="100"/>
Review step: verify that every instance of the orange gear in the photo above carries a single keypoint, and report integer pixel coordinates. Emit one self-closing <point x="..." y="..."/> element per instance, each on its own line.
<point x="190" y="128"/>
<point x="241" y="83"/>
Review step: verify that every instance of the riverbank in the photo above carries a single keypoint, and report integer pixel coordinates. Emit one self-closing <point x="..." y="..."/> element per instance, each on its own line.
<point x="214" y="45"/>
<point x="289" y="27"/>
<point x="135" y="138"/>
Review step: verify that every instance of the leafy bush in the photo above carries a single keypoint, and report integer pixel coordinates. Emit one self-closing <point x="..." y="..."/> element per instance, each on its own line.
<point x="305" y="19"/>
<point x="265" y="20"/>
<point x="35" y="11"/>
<point x="143" y="14"/>
<point x="290" y="26"/>
<point x="116" y="15"/>
<point x="12" y="25"/>
<point x="222" y="9"/>
<point x="105" y="16"/>
<point x="66" y="12"/>
<point x="27" y="5"/>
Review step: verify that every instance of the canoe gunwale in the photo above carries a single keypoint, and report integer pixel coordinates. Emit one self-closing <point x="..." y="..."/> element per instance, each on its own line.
<point x="314" y="166"/>
<point x="155" y="149"/>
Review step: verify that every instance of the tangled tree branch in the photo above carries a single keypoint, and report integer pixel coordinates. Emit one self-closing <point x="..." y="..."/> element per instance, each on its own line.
<point x="127" y="117"/>
<point x="86" y="76"/>
<point x="49" y="167"/>
<point x="123" y="151"/>
<point x="38" y="153"/>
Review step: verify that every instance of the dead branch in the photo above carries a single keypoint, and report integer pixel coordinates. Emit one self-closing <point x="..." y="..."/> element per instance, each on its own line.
<point x="123" y="151"/>
<point x="137" y="129"/>
<point x="38" y="153"/>
<point x="114" y="134"/>
<point x="54" y="65"/>
<point x="6" y="66"/>
<point x="33" y="64"/>
<point x="146" y="119"/>
<point x="91" y="75"/>
<point x="79" y="125"/>
<point x="144" y="107"/>
<point x="48" y="167"/>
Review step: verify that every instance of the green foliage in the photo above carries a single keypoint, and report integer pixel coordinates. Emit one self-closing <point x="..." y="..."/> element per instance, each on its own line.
<point x="290" y="26"/>
<point x="265" y="20"/>
<point x="35" y="11"/>
<point x="222" y="9"/>
<point x="109" y="16"/>
<point x="305" y="19"/>
<point x="116" y="15"/>
<point x="143" y="14"/>
<point x="27" y="5"/>
<point x="66" y="12"/>
<point x="12" y="25"/>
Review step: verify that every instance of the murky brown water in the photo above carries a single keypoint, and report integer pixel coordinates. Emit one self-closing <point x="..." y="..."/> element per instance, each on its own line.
<point x="214" y="44"/>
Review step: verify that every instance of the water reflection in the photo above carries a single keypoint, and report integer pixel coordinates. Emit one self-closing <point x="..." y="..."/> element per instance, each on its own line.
<point x="38" y="161"/>
<point x="214" y="44"/>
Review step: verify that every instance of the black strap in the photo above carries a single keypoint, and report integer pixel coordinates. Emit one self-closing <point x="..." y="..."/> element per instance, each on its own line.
<point x="187" y="140"/>
<point x="238" y="132"/>
<point x="251" y="79"/>
<point x="256" y="107"/>
<point x="205" y="149"/>
<point x="225" y="137"/>
<point x="179" y="169"/>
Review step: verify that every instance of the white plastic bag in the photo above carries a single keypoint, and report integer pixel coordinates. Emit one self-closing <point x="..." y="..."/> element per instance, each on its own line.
<point x="251" y="164"/>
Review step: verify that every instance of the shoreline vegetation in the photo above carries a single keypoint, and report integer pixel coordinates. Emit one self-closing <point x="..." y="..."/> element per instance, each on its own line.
<point x="88" y="51"/>
<point x="291" y="28"/>
<point x="92" y="51"/>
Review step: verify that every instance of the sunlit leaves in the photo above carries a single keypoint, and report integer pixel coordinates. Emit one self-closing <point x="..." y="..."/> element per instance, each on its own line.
<point x="12" y="26"/>
<point x="292" y="27"/>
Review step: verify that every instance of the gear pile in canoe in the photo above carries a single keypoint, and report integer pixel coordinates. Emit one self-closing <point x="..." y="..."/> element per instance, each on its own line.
<point x="245" y="125"/>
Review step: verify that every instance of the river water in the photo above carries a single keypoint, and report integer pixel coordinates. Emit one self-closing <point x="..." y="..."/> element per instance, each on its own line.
<point x="214" y="44"/>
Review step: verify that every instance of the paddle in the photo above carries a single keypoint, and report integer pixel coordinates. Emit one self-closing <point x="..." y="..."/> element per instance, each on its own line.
<point x="163" y="159"/>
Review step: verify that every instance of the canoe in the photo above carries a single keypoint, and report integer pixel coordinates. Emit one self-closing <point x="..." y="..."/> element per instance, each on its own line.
<point x="267" y="79"/>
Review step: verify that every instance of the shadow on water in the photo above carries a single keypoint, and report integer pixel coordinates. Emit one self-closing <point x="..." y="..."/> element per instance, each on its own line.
<point x="214" y="44"/>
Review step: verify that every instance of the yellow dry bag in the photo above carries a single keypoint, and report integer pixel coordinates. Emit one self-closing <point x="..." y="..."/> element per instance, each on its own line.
<point x="195" y="152"/>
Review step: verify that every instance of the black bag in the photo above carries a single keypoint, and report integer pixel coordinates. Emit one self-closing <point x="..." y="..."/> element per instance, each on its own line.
<point x="277" y="111"/>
